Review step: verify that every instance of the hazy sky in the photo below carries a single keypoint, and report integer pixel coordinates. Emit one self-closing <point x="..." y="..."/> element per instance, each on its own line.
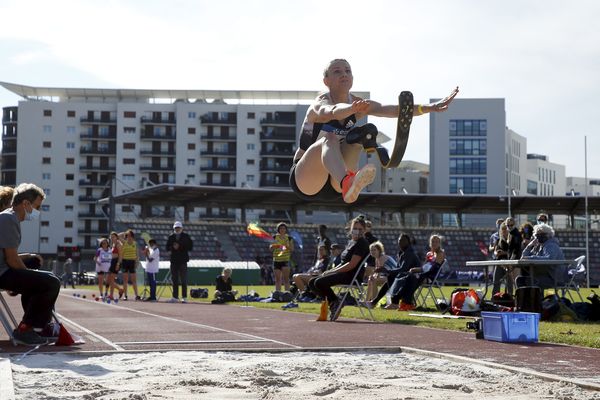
<point x="542" y="56"/>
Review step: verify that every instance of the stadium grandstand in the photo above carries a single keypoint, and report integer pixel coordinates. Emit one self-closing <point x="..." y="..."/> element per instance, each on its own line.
<point x="229" y="241"/>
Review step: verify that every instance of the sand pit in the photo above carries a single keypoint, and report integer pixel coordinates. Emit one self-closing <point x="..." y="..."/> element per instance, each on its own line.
<point x="202" y="375"/>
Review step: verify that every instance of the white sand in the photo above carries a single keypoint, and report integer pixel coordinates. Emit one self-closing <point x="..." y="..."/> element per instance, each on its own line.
<point x="289" y="376"/>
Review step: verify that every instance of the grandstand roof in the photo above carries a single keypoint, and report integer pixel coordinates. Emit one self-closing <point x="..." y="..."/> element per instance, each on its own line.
<point x="284" y="199"/>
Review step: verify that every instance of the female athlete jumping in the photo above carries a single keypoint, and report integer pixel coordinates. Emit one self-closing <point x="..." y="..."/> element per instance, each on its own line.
<point x="325" y="164"/>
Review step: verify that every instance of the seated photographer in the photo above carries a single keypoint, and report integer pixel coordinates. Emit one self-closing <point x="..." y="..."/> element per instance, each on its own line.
<point x="301" y="280"/>
<point x="543" y="246"/>
<point x="224" y="286"/>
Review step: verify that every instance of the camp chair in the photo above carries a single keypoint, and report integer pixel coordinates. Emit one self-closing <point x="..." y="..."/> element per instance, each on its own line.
<point x="355" y="288"/>
<point x="7" y="319"/>
<point x="428" y="288"/>
<point x="576" y="269"/>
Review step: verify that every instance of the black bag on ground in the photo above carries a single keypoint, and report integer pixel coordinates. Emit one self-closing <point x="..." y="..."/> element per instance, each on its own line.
<point x="503" y="299"/>
<point x="529" y="299"/>
<point x="281" y="297"/>
<point x="200" y="293"/>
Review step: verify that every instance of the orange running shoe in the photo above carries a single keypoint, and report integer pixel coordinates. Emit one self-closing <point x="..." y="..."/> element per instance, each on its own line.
<point x="354" y="183"/>
<point x="406" y="306"/>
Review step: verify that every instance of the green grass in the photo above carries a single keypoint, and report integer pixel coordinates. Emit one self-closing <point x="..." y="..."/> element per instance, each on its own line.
<point x="586" y="334"/>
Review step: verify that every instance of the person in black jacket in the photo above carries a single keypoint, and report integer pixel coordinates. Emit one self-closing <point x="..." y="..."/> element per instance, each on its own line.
<point x="407" y="259"/>
<point x="179" y="245"/>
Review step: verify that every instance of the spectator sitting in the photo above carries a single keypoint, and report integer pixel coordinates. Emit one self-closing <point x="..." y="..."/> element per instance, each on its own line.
<point x="384" y="264"/>
<point x="224" y="286"/>
<point x="356" y="251"/>
<point x="407" y="259"/>
<point x="526" y="230"/>
<point x="416" y="276"/>
<point x="39" y="290"/>
<point x="336" y="255"/>
<point x="543" y="246"/>
<point x="301" y="280"/>
<point x="542" y="218"/>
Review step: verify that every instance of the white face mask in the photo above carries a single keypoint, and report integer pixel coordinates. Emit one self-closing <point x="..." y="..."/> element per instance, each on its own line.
<point x="355" y="232"/>
<point x="33" y="215"/>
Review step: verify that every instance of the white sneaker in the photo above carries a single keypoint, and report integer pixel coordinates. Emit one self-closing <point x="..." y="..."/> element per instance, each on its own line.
<point x="184" y="300"/>
<point x="354" y="183"/>
<point x="173" y="300"/>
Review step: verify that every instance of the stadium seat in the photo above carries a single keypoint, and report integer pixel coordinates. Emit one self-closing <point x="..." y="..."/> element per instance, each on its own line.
<point x="428" y="288"/>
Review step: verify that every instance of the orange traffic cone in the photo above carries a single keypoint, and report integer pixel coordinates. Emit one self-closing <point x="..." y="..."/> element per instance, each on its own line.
<point x="64" y="337"/>
<point x="324" y="310"/>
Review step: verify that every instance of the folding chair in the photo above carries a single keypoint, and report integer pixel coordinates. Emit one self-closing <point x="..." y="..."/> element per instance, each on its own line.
<point x="576" y="269"/>
<point x="355" y="288"/>
<point x="427" y="289"/>
<point x="7" y="319"/>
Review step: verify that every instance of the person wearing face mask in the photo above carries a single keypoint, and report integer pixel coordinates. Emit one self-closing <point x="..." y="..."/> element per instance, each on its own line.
<point x="353" y="255"/>
<point x="179" y="244"/>
<point x="39" y="290"/>
<point x="543" y="246"/>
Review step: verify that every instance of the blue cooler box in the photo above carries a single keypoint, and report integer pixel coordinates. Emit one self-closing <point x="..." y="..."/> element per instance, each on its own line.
<point x="511" y="326"/>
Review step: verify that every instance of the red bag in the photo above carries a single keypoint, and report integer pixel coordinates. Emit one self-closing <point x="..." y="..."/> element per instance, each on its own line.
<point x="465" y="302"/>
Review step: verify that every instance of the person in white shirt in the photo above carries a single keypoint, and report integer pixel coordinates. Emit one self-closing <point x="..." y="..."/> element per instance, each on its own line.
<point x="152" y="259"/>
<point x="103" y="258"/>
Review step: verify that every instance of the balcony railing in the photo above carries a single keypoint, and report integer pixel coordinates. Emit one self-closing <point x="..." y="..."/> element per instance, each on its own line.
<point x="88" y="199"/>
<point x="218" y="168"/>
<point x="279" y="120"/>
<point x="86" y="182"/>
<point x="85" y="167"/>
<point x="158" y="136"/>
<point x="222" y="153"/>
<point x="208" y="119"/>
<point x="277" y="152"/>
<point x="98" y="120"/>
<point x="275" y="168"/>
<point x="157" y="153"/>
<point x="98" y="136"/>
<point x="96" y="215"/>
<point x="168" y="168"/>
<point x="228" y="184"/>
<point x="227" y="138"/>
<point x="97" y="150"/>
<point x="278" y="136"/>
<point x="159" y="121"/>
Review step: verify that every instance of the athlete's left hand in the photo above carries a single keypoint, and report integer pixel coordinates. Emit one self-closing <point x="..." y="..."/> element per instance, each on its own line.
<point x="443" y="104"/>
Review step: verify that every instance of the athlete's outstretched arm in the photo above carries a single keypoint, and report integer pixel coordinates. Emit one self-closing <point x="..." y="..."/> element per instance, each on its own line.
<point x="391" y="111"/>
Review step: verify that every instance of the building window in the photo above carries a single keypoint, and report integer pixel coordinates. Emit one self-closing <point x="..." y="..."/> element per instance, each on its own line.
<point x="468" y="127"/>
<point x="468" y="147"/>
<point x="129" y="129"/>
<point x="69" y="192"/>
<point x="128" y="177"/>
<point x="192" y="131"/>
<point x="126" y="209"/>
<point x="191" y="114"/>
<point x="43" y="239"/>
<point x="68" y="224"/>
<point x="45" y="207"/>
<point x="468" y="166"/>
<point x="251" y="115"/>
<point x="70" y="129"/>
<point x="250" y="146"/>
<point x="129" y="114"/>
<point x="69" y="177"/>
<point x="47" y="128"/>
<point x="68" y="240"/>
<point x="468" y="185"/>
<point x="70" y="145"/>
<point x="68" y="208"/>
<point x="46" y="160"/>
<point x="47" y="113"/>
<point x="70" y="161"/>
<point x="249" y="178"/>
<point x="129" y="146"/>
<point x="45" y="223"/>
<point x="191" y="161"/>
<point x="249" y="162"/>
<point x="47" y="145"/>
<point x="129" y="161"/>
<point x="46" y="191"/>
<point x="251" y="131"/>
<point x="191" y="146"/>
<point x="46" y="176"/>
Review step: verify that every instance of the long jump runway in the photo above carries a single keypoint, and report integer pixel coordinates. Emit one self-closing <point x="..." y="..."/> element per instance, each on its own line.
<point x="143" y="327"/>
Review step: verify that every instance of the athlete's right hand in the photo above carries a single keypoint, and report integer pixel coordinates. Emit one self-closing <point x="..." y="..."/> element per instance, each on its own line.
<point x="360" y="106"/>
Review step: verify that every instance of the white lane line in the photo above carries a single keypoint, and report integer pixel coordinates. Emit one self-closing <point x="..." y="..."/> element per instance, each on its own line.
<point x="7" y="389"/>
<point x="81" y="328"/>
<point x="194" y="341"/>
<point x="208" y="327"/>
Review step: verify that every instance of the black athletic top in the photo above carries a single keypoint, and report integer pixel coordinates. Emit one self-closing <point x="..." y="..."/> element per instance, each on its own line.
<point x="310" y="131"/>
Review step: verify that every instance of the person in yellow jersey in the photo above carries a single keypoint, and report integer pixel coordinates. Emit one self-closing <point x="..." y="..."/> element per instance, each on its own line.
<point x="282" y="249"/>
<point x="128" y="260"/>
